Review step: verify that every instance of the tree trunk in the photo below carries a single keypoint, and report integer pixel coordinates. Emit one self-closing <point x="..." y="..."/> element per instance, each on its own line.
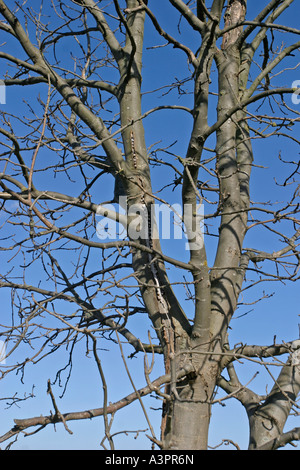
<point x="188" y="414"/>
<point x="268" y="420"/>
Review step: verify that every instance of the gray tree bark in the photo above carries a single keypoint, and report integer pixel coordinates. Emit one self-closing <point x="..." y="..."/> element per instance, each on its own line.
<point x="198" y="347"/>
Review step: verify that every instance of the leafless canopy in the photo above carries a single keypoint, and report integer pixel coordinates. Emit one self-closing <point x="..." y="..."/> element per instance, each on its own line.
<point x="110" y="109"/>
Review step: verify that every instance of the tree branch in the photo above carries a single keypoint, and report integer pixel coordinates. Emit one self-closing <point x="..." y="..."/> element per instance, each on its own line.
<point x="22" y="424"/>
<point x="191" y="18"/>
<point x="168" y="37"/>
<point x="72" y="82"/>
<point x="281" y="441"/>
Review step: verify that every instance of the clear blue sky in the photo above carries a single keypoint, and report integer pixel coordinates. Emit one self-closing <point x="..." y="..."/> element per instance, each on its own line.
<point x="278" y="315"/>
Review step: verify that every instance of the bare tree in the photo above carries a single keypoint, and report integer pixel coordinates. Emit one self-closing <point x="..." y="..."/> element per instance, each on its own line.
<point x="85" y="130"/>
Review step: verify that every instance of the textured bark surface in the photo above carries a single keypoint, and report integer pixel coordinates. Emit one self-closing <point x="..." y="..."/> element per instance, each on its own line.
<point x="194" y="344"/>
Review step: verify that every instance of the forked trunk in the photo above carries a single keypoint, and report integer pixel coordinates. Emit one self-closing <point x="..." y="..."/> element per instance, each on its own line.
<point x="186" y="422"/>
